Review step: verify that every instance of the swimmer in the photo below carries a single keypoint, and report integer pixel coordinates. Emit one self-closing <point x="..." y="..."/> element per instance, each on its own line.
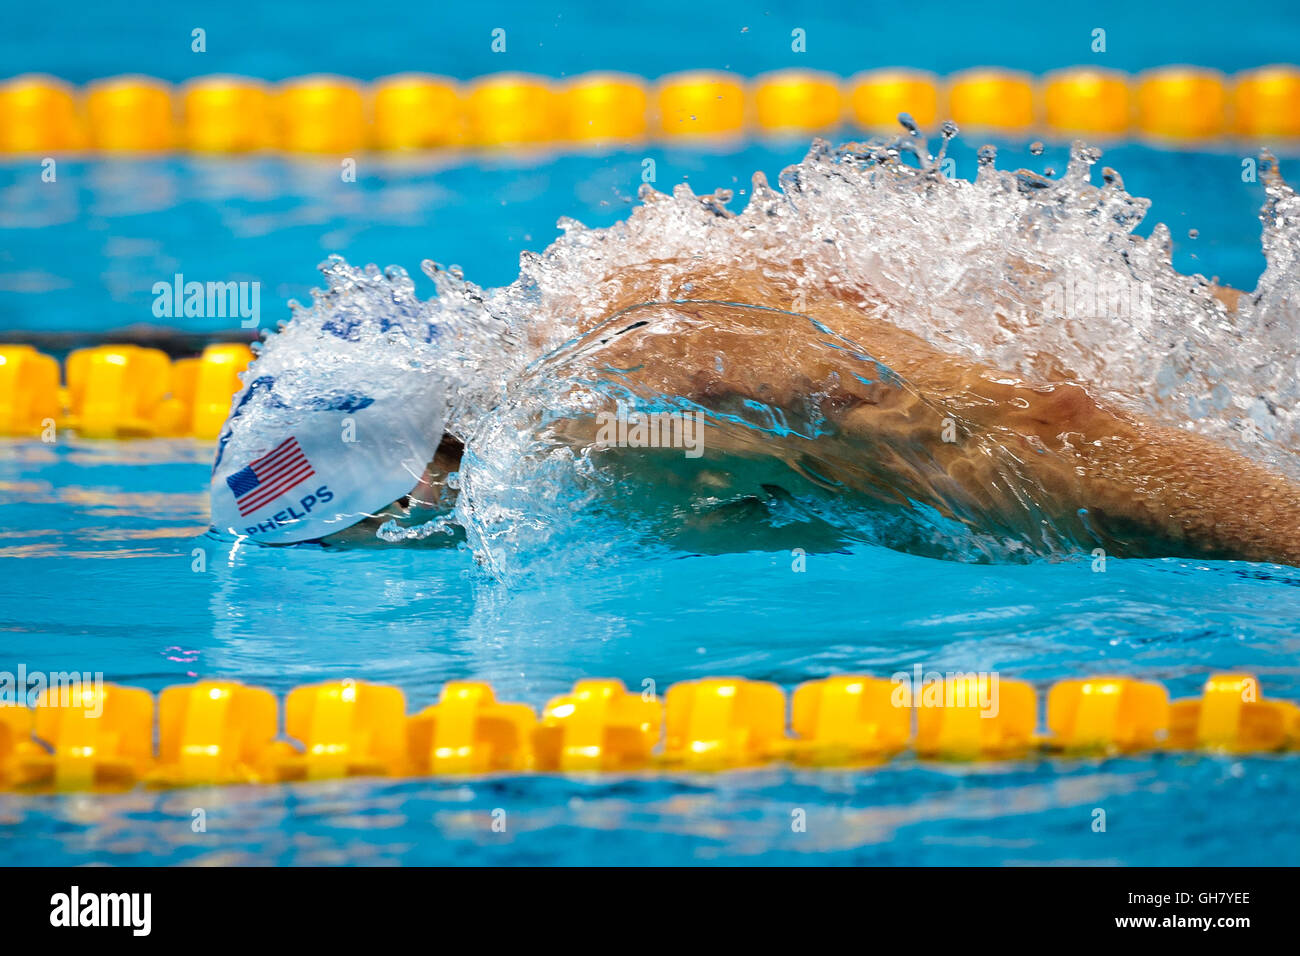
<point x="1098" y="474"/>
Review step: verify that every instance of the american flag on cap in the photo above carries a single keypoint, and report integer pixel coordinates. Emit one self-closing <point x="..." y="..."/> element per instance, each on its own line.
<point x="260" y="482"/>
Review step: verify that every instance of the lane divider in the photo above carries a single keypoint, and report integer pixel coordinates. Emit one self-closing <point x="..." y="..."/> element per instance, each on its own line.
<point x="335" y="115"/>
<point x="119" y="391"/>
<point x="221" y="732"/>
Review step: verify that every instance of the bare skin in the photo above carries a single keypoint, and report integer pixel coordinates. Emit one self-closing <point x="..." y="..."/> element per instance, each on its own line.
<point x="1133" y="478"/>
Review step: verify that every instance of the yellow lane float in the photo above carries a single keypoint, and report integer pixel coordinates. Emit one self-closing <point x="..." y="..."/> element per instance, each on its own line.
<point x="598" y="726"/>
<point x="701" y="104"/>
<point x="513" y="109"/>
<point x="1107" y="713"/>
<point x="205" y="385"/>
<point x="412" y="111"/>
<point x="119" y="391"/>
<point x="468" y="731"/>
<point x="988" y="99"/>
<point x="321" y="114"/>
<point x="724" y="722"/>
<point x="1182" y="103"/>
<point x="39" y="114"/>
<point x="1266" y="102"/>
<point x="214" y="732"/>
<point x="1083" y="100"/>
<point x="227" y="114"/>
<point x="343" y="729"/>
<point x="415" y="111"/>
<point x="848" y="718"/>
<point x="877" y="97"/>
<point x="1232" y="715"/>
<point x="29" y="391"/>
<point x="84" y="737"/>
<point x="797" y="102"/>
<point x="975" y="716"/>
<point x="603" y="108"/>
<point x="131" y="114"/>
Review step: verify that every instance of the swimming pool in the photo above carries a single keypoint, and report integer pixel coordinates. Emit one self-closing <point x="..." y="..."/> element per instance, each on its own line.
<point x="98" y="571"/>
<point x="111" y="228"/>
<point x="101" y="540"/>
<point x="97" y="566"/>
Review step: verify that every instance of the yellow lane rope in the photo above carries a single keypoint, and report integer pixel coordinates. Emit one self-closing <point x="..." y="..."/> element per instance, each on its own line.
<point x="335" y="115"/>
<point x="94" y="736"/>
<point x="119" y="391"/>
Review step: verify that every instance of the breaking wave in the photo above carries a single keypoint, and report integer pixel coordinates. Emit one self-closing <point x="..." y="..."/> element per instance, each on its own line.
<point x="1041" y="278"/>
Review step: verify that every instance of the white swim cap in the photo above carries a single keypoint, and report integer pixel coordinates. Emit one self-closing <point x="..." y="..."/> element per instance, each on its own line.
<point x="308" y="469"/>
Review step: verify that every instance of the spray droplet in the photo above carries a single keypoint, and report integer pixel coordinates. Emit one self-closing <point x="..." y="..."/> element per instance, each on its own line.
<point x="1193" y="233"/>
<point x="1036" y="148"/>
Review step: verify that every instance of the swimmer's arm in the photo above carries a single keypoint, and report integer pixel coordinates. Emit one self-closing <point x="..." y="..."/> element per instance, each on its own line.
<point x="1227" y="504"/>
<point x="1177" y="485"/>
<point x="1127" y="472"/>
<point x="1133" y="477"/>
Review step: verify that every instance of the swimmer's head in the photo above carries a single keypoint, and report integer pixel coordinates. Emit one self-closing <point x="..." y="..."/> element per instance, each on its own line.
<point x="289" y="471"/>
<point x="431" y="498"/>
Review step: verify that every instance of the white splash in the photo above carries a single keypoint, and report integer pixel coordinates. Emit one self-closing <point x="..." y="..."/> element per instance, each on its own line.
<point x="1031" y="275"/>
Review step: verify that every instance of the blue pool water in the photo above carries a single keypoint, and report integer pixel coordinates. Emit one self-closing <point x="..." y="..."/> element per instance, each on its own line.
<point x="99" y="541"/>
<point x="96" y="39"/>
<point x="83" y="253"/>
<point x="97" y="571"/>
